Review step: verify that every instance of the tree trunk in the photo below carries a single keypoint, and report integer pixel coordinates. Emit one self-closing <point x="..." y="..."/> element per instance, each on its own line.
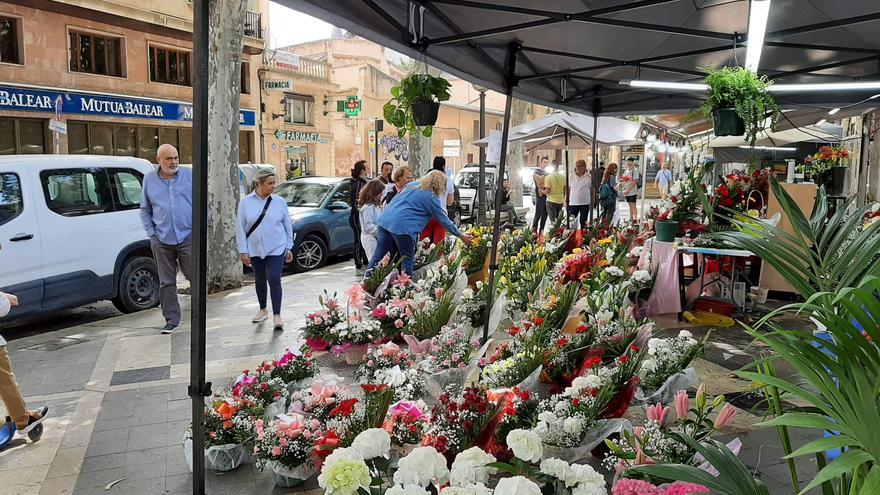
<point x="420" y="158"/>
<point x="515" y="151"/>
<point x="224" y="87"/>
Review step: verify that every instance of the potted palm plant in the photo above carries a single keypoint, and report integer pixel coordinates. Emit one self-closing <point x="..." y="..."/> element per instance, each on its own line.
<point x="739" y="103"/>
<point x="415" y="103"/>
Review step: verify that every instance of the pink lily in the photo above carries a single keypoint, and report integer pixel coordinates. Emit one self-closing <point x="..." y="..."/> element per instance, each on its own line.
<point x="727" y="413"/>
<point x="681" y="405"/>
<point x="658" y="413"/>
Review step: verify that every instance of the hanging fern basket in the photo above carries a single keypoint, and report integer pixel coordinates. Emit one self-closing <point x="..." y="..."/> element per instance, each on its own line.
<point x="728" y="123"/>
<point x="425" y="114"/>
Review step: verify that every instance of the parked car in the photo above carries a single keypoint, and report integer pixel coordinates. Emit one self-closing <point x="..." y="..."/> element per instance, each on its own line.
<point x="70" y="233"/>
<point x="319" y="208"/>
<point x="466" y="181"/>
<point x="246" y="174"/>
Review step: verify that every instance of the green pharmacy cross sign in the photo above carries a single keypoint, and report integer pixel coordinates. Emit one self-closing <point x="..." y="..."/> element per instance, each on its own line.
<point x="351" y="106"/>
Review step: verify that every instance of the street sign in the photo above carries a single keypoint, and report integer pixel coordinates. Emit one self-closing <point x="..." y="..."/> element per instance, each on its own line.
<point x="452" y="143"/>
<point x="351" y="105"/>
<point x="278" y="85"/>
<point x="372" y="140"/>
<point x="285" y="60"/>
<point x="493" y="151"/>
<point x="57" y="126"/>
<point x="451" y="152"/>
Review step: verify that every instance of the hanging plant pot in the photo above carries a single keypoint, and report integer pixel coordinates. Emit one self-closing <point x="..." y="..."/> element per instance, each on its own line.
<point x="425" y="114"/>
<point x="838" y="181"/>
<point x="728" y="123"/>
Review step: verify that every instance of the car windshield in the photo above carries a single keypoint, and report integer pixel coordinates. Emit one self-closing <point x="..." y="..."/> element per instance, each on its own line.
<point x="301" y="193"/>
<point x="469" y="180"/>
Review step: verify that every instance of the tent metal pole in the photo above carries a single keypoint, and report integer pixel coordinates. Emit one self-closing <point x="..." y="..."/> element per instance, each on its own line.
<point x="198" y="389"/>
<point x="512" y="50"/>
<point x="567" y="192"/>
<point x="595" y="158"/>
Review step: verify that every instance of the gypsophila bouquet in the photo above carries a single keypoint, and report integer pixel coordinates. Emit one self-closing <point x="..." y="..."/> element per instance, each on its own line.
<point x="453" y="349"/>
<point x="392" y="316"/>
<point x="565" y="418"/>
<point x="390" y="365"/>
<point x="226" y="423"/>
<point x="459" y="419"/>
<point x="319" y="323"/>
<point x="472" y="306"/>
<point x="319" y="400"/>
<point x="519" y="411"/>
<point x="666" y="357"/>
<point x="355" y="330"/>
<point x="426" y="253"/>
<point x="406" y="422"/>
<point x="379" y="273"/>
<point x="288" y="442"/>
<point x="293" y="366"/>
<point x="257" y="391"/>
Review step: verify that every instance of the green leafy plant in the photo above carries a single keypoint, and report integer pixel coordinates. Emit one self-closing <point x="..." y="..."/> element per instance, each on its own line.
<point x="415" y="88"/>
<point x="737" y="88"/>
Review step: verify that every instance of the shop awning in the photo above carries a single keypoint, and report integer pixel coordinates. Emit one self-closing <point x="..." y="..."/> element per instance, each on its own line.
<point x="548" y="132"/>
<point x="573" y="54"/>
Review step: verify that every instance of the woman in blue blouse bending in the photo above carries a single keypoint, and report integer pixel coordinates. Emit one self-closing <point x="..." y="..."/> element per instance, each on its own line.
<point x="265" y="239"/>
<point x="405" y="217"/>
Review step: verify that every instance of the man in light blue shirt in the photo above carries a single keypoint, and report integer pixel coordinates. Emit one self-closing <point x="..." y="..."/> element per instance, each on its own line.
<point x="166" y="212"/>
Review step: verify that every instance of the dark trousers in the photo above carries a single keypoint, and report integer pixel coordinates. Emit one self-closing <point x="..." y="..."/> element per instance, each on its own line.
<point x="170" y="257"/>
<point x="268" y="270"/>
<point x="608" y="211"/>
<point x="580" y="210"/>
<point x="553" y="211"/>
<point x="540" y="213"/>
<point x="360" y="256"/>
<point x="397" y="246"/>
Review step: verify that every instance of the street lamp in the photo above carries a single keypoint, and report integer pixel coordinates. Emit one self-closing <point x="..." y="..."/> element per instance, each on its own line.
<point x="481" y="187"/>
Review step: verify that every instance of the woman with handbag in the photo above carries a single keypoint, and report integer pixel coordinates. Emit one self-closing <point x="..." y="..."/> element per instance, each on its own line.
<point x="608" y="193"/>
<point x="265" y="241"/>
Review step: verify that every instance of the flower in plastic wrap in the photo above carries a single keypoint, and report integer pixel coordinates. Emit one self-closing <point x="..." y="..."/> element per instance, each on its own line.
<point x="559" y="469"/>
<point x="422" y="466"/>
<point x="407" y="490"/>
<point x="394" y="377"/>
<point x="470" y="467"/>
<point x="372" y="443"/>
<point x="344" y="472"/>
<point x="526" y="445"/>
<point x="517" y="485"/>
<point x="476" y="489"/>
<point x="584" y="475"/>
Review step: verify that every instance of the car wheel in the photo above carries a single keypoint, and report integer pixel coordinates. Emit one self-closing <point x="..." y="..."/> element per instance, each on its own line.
<point x="138" y="285"/>
<point x="310" y="254"/>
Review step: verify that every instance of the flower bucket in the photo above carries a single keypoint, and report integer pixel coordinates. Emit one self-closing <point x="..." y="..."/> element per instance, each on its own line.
<point x="218" y="458"/>
<point x="838" y="181"/>
<point x="291" y="478"/>
<point x="317" y="344"/>
<point x="666" y="230"/>
<point x="727" y="122"/>
<point x="425" y="113"/>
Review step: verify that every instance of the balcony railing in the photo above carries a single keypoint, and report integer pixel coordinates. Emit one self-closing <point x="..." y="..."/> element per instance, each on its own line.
<point x="308" y="67"/>
<point x="253" y="25"/>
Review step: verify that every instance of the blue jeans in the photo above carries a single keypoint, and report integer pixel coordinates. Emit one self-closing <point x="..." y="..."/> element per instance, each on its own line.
<point x="580" y="210"/>
<point x="397" y="246"/>
<point x="268" y="269"/>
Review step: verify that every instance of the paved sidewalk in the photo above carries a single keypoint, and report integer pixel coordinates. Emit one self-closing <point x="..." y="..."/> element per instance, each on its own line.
<point x="117" y="393"/>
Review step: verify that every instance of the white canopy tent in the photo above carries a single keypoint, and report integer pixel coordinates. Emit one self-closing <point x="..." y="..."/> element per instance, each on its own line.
<point x="808" y="134"/>
<point x="548" y="132"/>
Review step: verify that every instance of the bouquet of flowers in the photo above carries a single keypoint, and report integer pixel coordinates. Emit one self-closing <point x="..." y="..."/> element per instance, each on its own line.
<point x="828" y="157"/>
<point x="474" y="255"/>
<point x="390" y="365"/>
<point x="287" y="443"/>
<point x="513" y="370"/>
<point x="580" y="265"/>
<point x="225" y="424"/>
<point x="318" y="323"/>
<point x="460" y="420"/>
<point x="426" y="253"/>
<point x="292" y="366"/>
<point x="519" y="411"/>
<point x="668" y="357"/>
<point x="520" y="277"/>
<point x="392" y="316"/>
<point x="452" y="349"/>
<point x="355" y="330"/>
<point x="564" y="419"/>
<point x="320" y="400"/>
<point x="378" y="274"/>
<point x="406" y="423"/>
<point x="511" y="243"/>
<point x="641" y="283"/>
<point x="626" y="486"/>
<point x="431" y="314"/>
<point x="472" y="306"/>
<point x="259" y="394"/>
<point x="572" y="349"/>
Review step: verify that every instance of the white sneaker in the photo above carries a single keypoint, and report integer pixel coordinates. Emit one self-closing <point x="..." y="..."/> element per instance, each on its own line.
<point x="279" y="323"/>
<point x="261" y="316"/>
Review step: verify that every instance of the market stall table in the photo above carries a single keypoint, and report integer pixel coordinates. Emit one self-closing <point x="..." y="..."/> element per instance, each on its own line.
<point x="701" y="253"/>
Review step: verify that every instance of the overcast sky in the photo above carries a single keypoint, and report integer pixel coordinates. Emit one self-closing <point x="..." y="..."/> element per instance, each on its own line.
<point x="289" y="27"/>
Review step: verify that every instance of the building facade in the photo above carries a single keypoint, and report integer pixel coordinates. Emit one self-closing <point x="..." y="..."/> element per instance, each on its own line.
<point x="116" y="74"/>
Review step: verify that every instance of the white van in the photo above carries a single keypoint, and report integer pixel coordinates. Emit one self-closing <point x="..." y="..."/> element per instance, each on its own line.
<point x="70" y="233"/>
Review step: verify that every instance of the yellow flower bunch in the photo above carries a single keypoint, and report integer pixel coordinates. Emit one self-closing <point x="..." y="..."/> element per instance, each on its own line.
<point x="606" y="241"/>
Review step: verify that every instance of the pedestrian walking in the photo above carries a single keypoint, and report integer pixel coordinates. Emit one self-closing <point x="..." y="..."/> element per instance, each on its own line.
<point x="166" y="213"/>
<point x="25" y="420"/>
<point x="554" y="184"/>
<point x="435" y="230"/>
<point x="580" y="187"/>
<point x="630" y="183"/>
<point x="405" y="217"/>
<point x="370" y="204"/>
<point x="402" y="176"/>
<point x="663" y="180"/>
<point x="385" y="176"/>
<point x="539" y="176"/>
<point x="264" y="234"/>
<point x="357" y="181"/>
<point x="608" y="193"/>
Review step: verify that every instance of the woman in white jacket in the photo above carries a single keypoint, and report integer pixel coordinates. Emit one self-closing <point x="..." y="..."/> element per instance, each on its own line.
<point x="370" y="203"/>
